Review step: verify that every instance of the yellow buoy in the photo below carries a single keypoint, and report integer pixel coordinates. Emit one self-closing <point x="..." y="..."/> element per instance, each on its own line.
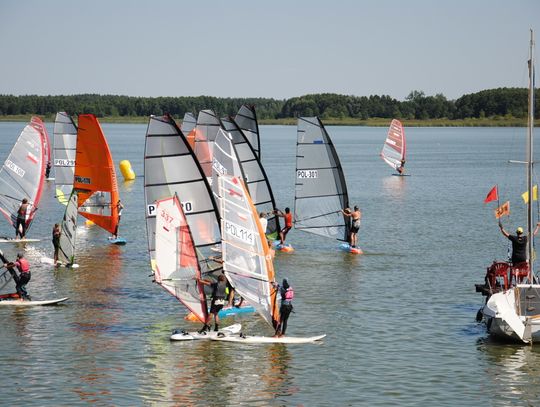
<point x="126" y="170"/>
<point x="89" y="222"/>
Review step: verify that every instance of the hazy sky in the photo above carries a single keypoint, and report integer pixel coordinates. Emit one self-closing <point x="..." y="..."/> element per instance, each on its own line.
<point x="264" y="48"/>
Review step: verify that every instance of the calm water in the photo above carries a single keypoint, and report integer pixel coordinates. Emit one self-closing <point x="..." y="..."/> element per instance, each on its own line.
<point x="400" y="319"/>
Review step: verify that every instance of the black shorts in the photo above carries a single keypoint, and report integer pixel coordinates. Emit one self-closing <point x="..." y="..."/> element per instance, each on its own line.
<point x="354" y="229"/>
<point x="215" y="308"/>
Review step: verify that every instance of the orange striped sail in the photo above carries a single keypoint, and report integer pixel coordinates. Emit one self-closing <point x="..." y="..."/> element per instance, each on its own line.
<point x="95" y="177"/>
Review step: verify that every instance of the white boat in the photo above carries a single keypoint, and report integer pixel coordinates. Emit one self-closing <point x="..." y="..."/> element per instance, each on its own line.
<point x="513" y="313"/>
<point x="395" y="147"/>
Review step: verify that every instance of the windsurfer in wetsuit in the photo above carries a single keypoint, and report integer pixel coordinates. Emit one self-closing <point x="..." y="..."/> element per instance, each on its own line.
<point x="48" y="169"/>
<point x="287" y="294"/>
<point x="356" y="216"/>
<point x="401" y="168"/>
<point x="219" y="295"/>
<point x="20" y="226"/>
<point x="288" y="223"/>
<point x="56" y="233"/>
<point x="119" y="208"/>
<point x="519" y="243"/>
<point x="24" y="275"/>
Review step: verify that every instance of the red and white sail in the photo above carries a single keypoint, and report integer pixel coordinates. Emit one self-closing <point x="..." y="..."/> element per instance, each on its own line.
<point x="393" y="152"/>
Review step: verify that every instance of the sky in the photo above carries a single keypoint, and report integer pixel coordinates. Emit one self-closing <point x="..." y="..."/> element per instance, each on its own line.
<point x="255" y="48"/>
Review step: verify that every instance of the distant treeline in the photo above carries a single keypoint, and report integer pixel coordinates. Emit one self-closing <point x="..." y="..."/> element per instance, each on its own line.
<point x="501" y="102"/>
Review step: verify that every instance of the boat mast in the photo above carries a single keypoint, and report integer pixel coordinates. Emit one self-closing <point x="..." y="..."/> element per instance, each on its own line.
<point x="530" y="126"/>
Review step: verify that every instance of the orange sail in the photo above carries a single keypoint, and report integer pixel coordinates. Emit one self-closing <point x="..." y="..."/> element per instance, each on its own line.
<point x="95" y="177"/>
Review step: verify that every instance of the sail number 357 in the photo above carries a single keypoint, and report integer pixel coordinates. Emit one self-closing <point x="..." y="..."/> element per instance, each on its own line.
<point x="307" y="174"/>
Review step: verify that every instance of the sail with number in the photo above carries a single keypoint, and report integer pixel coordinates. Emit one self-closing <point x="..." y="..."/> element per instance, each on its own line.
<point x="247" y="262"/>
<point x="170" y="167"/>
<point x="320" y="190"/>
<point x="254" y="175"/>
<point x="246" y="118"/>
<point x="66" y="252"/>
<point x="177" y="265"/>
<point x="224" y="161"/>
<point x="23" y="173"/>
<point x="95" y="175"/>
<point x="65" y="148"/>
<point x="393" y="151"/>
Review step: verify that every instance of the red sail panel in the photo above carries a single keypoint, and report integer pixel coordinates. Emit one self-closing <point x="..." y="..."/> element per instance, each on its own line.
<point x="95" y="176"/>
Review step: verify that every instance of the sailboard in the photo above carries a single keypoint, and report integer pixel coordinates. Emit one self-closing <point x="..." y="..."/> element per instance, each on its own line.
<point x="320" y="189"/>
<point x="18" y="241"/>
<point x="394" y="148"/>
<point x="95" y="175"/>
<point x="170" y="167"/>
<point x="250" y="339"/>
<point x="247" y="262"/>
<point x="23" y="173"/>
<point x="181" y="335"/>
<point x="254" y="174"/>
<point x="26" y="303"/>
<point x="246" y="119"/>
<point x="65" y="148"/>
<point x="177" y="265"/>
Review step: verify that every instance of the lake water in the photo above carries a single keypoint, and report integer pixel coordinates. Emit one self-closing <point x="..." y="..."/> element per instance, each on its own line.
<point x="399" y="319"/>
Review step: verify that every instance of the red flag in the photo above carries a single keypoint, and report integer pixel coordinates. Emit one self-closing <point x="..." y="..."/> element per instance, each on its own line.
<point x="493" y="195"/>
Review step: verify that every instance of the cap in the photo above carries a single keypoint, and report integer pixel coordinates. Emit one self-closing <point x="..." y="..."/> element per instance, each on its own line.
<point x="519" y="230"/>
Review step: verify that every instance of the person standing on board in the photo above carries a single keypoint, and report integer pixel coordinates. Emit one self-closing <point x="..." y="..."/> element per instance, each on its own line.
<point x="24" y="275"/>
<point x="287" y="294"/>
<point x="356" y="216"/>
<point x="288" y="224"/>
<point x="401" y="168"/>
<point x="20" y="226"/>
<point x="519" y="243"/>
<point x="56" y="232"/>
<point x="219" y="295"/>
<point x="119" y="208"/>
<point x="48" y="169"/>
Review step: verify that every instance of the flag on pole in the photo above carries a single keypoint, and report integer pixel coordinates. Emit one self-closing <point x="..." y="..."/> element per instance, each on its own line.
<point x="525" y="195"/>
<point x="493" y="195"/>
<point x="503" y="210"/>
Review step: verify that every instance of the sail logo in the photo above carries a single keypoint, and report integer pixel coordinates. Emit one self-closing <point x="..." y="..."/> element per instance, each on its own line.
<point x="64" y="162"/>
<point x="167" y="218"/>
<point x="220" y="169"/>
<point x="83" y="180"/>
<point x="187" y="206"/>
<point x="239" y="232"/>
<point x="307" y="174"/>
<point x="15" y="168"/>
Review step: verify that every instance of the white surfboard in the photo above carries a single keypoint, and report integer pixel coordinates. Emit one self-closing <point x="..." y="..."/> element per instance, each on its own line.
<point x="189" y="336"/>
<point x="48" y="260"/>
<point x="267" y="339"/>
<point x="24" y="303"/>
<point x="19" y="241"/>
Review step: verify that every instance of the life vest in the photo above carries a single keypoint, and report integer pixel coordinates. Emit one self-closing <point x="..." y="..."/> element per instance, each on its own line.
<point x="24" y="266"/>
<point x="289" y="294"/>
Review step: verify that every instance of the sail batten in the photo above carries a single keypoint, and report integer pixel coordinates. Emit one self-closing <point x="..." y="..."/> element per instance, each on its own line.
<point x="318" y="169"/>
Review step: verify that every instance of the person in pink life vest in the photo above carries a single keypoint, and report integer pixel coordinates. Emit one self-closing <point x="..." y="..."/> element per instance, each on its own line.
<point x="287" y="295"/>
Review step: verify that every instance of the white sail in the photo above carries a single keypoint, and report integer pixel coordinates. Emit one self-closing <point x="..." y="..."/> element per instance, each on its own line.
<point x="224" y="161"/>
<point x="177" y="266"/>
<point x="206" y="131"/>
<point x="394" y="148"/>
<point x="66" y="254"/>
<point x="246" y="118"/>
<point x="188" y="123"/>
<point x="65" y="149"/>
<point x="246" y="258"/>
<point x="320" y="190"/>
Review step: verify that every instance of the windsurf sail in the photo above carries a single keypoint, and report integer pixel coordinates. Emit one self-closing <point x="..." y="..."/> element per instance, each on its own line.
<point x="247" y="262"/>
<point x="23" y="173"/>
<point x="170" y="167"/>
<point x="95" y="175"/>
<point x="320" y="190"/>
<point x="224" y="161"/>
<point x="393" y="151"/>
<point x="66" y="253"/>
<point x="207" y="128"/>
<point x="65" y="148"/>
<point x="254" y="175"/>
<point x="189" y="123"/>
<point x="177" y="264"/>
<point x="246" y="118"/>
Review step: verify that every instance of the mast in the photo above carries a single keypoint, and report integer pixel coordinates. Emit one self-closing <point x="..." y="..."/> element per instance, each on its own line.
<point x="530" y="127"/>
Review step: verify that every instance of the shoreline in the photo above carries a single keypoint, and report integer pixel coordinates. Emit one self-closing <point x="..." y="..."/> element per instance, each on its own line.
<point x="373" y="122"/>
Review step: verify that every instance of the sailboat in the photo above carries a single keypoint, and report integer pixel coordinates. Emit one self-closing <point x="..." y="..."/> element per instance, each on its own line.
<point x="65" y="147"/>
<point x="23" y="174"/>
<point x="320" y="190"/>
<point x="394" y="148"/>
<point x="95" y="177"/>
<point x="513" y="312"/>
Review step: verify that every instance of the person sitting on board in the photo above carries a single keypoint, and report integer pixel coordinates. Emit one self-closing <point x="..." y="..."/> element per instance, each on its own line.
<point x="219" y="295"/>
<point x="48" y="169"/>
<point x="288" y="224"/>
<point x="519" y="243"/>
<point x="119" y="208"/>
<point x="56" y="233"/>
<point x="356" y="216"/>
<point x="401" y="168"/>
<point x="24" y="275"/>
<point x="20" y="226"/>
<point x="287" y="294"/>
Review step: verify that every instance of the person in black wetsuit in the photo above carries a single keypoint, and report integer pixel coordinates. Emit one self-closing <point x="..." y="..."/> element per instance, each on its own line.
<point x="219" y="296"/>
<point x="519" y="243"/>
<point x="287" y="294"/>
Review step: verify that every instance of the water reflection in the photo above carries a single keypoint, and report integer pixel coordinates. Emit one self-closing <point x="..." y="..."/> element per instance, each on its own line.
<point x="395" y="187"/>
